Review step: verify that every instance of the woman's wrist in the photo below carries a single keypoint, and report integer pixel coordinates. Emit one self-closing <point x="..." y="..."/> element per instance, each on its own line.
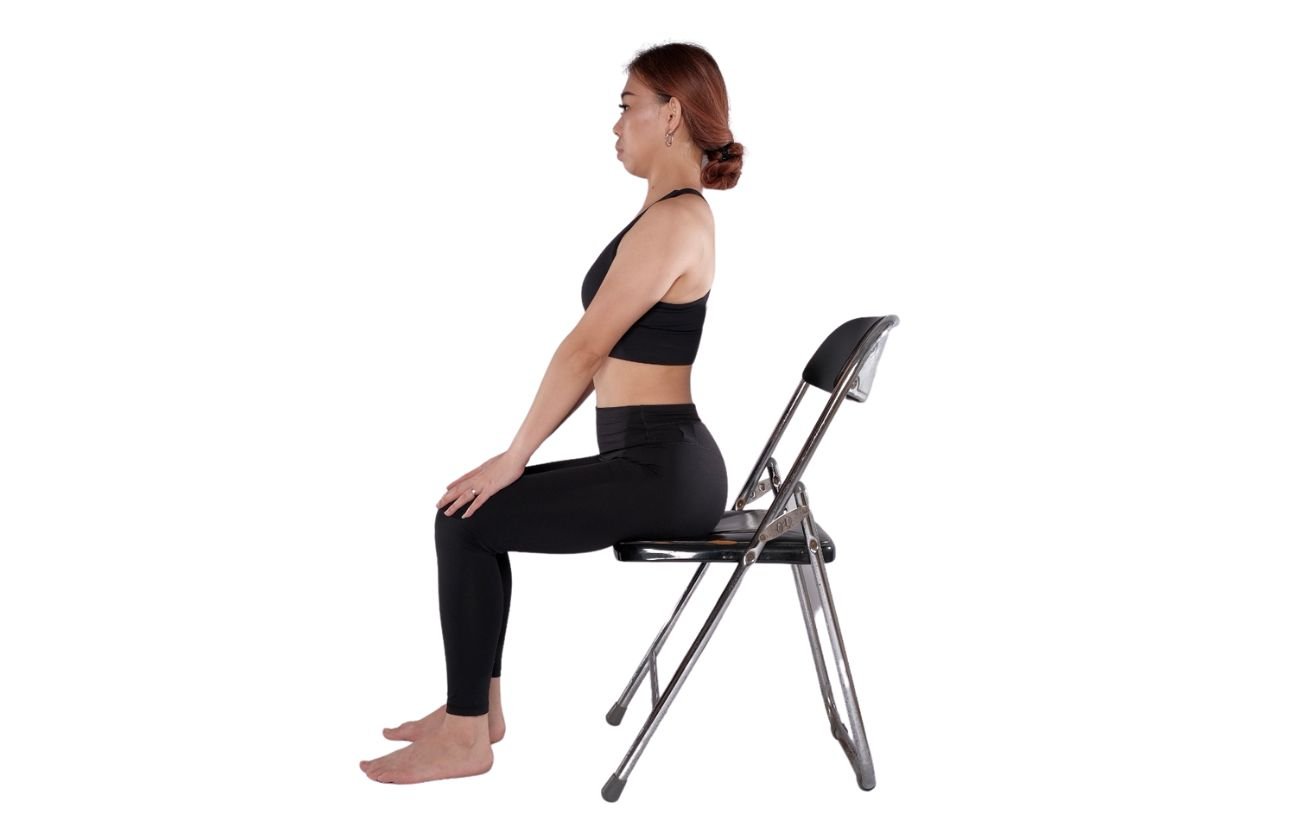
<point x="518" y="454"/>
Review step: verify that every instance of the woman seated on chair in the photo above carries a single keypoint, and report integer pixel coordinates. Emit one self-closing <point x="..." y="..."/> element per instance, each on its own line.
<point x="658" y="471"/>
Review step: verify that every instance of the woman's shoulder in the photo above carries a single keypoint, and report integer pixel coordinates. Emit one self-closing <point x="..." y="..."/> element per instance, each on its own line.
<point x="684" y="213"/>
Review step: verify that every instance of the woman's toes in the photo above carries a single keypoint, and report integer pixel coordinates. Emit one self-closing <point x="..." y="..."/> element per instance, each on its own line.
<point x="407" y="731"/>
<point x="377" y="765"/>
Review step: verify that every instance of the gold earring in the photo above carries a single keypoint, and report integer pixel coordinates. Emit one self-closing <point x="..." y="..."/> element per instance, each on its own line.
<point x="668" y="139"/>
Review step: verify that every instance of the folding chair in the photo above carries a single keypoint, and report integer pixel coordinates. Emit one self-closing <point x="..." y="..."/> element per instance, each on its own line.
<point x="784" y="533"/>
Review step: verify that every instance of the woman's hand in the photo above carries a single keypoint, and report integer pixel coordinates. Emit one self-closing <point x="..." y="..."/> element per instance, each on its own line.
<point x="477" y="485"/>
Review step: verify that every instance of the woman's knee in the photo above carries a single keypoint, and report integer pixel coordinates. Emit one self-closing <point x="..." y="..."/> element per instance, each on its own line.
<point x="455" y="532"/>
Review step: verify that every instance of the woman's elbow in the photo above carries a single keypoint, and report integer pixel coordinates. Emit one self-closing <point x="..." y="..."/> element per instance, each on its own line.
<point x="580" y="354"/>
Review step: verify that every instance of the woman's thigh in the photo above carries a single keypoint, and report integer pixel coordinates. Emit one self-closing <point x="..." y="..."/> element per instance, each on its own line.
<point x="541" y="467"/>
<point x="567" y="506"/>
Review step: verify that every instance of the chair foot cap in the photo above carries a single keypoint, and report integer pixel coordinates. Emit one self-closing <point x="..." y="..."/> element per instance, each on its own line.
<point x="612" y="789"/>
<point x="615" y="715"/>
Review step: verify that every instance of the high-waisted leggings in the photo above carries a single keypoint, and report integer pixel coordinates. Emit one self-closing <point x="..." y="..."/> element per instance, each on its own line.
<point x="659" y="474"/>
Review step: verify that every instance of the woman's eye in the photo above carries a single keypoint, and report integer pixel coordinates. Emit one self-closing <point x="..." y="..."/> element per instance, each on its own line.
<point x="623" y="107"/>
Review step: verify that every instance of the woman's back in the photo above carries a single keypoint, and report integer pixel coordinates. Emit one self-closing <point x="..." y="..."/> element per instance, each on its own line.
<point x="651" y="363"/>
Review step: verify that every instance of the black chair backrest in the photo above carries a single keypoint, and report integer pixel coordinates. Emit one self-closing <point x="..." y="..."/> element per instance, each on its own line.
<point x="843" y="365"/>
<point x="837" y="352"/>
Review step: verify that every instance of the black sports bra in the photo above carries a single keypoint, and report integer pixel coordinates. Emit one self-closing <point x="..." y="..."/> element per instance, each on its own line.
<point x="666" y="333"/>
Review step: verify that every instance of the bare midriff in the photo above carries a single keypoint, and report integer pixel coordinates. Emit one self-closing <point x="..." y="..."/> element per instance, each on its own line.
<point x="621" y="382"/>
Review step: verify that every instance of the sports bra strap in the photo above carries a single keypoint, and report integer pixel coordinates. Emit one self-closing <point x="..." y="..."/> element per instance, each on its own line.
<point x="664" y="196"/>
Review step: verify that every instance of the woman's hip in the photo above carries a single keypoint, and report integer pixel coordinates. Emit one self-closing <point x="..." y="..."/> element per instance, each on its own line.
<point x="623" y="427"/>
<point x="672" y="445"/>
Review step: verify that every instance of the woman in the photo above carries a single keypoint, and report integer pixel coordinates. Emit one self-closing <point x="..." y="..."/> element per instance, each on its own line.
<point x="659" y="472"/>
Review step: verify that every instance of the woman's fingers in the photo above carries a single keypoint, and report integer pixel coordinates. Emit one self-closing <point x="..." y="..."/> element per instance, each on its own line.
<point x="473" y="487"/>
<point x="478" y="501"/>
<point x="457" y="487"/>
<point x="458" y="500"/>
<point x="463" y="477"/>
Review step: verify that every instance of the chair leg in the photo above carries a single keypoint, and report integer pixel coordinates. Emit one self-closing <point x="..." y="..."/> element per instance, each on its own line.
<point x="650" y="661"/>
<point x="809" y="606"/>
<point x="614" y="786"/>
<point x="814" y="590"/>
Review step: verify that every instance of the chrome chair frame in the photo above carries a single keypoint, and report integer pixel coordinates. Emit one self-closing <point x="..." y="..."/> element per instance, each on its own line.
<point x="845" y="366"/>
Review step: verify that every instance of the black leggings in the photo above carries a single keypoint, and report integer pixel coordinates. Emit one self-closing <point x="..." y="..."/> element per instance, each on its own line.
<point x="659" y="474"/>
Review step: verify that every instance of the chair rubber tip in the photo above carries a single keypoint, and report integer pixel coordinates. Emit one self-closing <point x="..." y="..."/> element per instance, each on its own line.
<point x="612" y="789"/>
<point x="615" y="715"/>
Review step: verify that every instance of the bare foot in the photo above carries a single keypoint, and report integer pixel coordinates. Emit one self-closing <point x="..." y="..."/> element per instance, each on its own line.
<point x="434" y="757"/>
<point x="428" y="726"/>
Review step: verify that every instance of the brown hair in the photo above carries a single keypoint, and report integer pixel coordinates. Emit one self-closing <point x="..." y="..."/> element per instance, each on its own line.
<point x="688" y="72"/>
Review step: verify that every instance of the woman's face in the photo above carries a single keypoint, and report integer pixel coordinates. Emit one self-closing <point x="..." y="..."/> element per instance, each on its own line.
<point x="640" y="128"/>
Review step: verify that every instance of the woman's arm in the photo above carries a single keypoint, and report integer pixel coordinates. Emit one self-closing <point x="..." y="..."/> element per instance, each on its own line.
<point x="565" y="386"/>
<point x="649" y="259"/>
<point x="591" y="387"/>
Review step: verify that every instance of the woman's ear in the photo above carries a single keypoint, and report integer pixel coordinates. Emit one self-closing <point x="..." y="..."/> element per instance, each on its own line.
<point x="674" y="110"/>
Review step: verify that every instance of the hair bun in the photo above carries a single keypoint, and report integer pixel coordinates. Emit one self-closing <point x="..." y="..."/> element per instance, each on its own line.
<point x="723" y="171"/>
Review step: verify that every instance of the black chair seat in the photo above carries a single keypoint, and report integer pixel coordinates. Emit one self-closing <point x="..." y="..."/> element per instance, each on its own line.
<point x="727" y="543"/>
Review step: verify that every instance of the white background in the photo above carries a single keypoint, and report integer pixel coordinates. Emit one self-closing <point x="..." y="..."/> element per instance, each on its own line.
<point x="275" y="273"/>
